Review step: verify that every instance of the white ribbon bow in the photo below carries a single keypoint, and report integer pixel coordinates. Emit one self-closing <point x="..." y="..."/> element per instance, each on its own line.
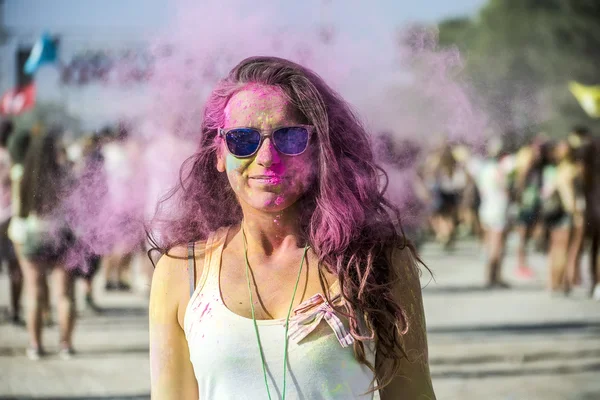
<point x="309" y="314"/>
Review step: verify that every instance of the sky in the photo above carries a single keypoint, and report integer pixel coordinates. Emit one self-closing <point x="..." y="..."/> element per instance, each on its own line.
<point x="93" y="24"/>
<point x="104" y="15"/>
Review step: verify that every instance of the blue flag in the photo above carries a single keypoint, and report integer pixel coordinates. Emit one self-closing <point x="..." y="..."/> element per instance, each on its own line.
<point x="43" y="52"/>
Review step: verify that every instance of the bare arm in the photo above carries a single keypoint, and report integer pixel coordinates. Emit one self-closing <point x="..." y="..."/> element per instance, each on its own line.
<point x="413" y="380"/>
<point x="566" y="189"/>
<point x="172" y="375"/>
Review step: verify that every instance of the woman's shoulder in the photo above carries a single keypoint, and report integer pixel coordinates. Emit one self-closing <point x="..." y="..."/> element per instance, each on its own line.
<point x="16" y="172"/>
<point x="176" y="259"/>
<point x="566" y="172"/>
<point x="172" y="267"/>
<point x="171" y="278"/>
<point x="172" y="270"/>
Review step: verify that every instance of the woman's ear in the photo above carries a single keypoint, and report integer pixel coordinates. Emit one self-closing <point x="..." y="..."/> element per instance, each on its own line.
<point x="220" y="154"/>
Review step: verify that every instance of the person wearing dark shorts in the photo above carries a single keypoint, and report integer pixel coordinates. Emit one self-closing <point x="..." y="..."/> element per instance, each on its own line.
<point x="7" y="251"/>
<point x="7" y="254"/>
<point x="87" y="272"/>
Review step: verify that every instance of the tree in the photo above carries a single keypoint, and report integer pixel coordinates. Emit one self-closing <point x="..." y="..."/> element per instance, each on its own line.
<point x="455" y="32"/>
<point x="520" y="55"/>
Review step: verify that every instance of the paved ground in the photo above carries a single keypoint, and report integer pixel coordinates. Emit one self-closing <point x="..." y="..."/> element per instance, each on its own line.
<point x="513" y="344"/>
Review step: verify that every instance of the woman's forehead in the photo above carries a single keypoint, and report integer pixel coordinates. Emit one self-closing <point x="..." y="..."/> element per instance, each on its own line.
<point x="258" y="104"/>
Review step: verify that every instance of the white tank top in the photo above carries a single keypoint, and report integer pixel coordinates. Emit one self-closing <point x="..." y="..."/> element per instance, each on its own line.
<point x="225" y="356"/>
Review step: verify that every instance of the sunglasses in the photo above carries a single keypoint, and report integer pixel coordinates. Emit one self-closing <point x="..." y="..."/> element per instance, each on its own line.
<point x="288" y="140"/>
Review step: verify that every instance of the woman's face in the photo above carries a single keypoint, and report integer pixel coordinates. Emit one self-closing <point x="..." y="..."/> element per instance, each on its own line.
<point x="268" y="181"/>
<point x="561" y="151"/>
<point x="61" y="156"/>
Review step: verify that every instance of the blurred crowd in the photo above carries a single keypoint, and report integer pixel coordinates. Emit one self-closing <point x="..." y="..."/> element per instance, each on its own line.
<point x="70" y="208"/>
<point x="65" y="210"/>
<point x="545" y="190"/>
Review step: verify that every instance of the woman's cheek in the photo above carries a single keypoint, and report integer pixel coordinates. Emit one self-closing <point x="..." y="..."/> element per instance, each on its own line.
<point x="234" y="164"/>
<point x="304" y="173"/>
<point x="234" y="180"/>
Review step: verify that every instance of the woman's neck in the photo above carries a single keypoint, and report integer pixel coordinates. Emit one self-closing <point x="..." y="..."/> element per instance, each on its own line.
<point x="271" y="233"/>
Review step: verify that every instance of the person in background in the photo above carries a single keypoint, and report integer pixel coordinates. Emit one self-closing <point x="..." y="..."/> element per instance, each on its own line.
<point x="491" y="178"/>
<point x="447" y="182"/>
<point x="403" y="156"/>
<point x="528" y="185"/>
<point x="470" y="199"/>
<point x="18" y="148"/>
<point x="88" y="198"/>
<point x="42" y="238"/>
<point x="592" y="209"/>
<point x="578" y="140"/>
<point x="7" y="251"/>
<point x="560" y="213"/>
<point x="120" y="162"/>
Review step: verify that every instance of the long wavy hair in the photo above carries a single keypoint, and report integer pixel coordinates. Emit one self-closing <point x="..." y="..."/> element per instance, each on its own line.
<point x="44" y="179"/>
<point x="345" y="217"/>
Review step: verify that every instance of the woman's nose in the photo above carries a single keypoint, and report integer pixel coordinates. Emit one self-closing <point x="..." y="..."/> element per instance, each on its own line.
<point x="267" y="154"/>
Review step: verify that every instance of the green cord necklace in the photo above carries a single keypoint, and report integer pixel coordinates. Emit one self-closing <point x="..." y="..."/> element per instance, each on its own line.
<point x="287" y="319"/>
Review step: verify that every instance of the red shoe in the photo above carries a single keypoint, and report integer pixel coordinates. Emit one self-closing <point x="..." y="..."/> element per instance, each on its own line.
<point x="524" y="272"/>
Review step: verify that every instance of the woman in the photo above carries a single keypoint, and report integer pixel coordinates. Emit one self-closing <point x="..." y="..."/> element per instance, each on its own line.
<point x="492" y="181"/>
<point x="579" y="140"/>
<point x="120" y="161"/>
<point x="592" y="199"/>
<point x="563" y="215"/>
<point x="41" y="239"/>
<point x="529" y="166"/>
<point x="282" y="211"/>
<point x="448" y="182"/>
<point x="7" y="251"/>
<point x="88" y="197"/>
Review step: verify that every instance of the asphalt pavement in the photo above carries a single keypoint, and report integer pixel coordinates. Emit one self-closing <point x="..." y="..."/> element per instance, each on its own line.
<point x="520" y="343"/>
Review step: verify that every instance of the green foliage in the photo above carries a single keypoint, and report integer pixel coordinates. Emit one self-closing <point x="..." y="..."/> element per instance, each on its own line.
<point x="520" y="55"/>
<point x="455" y="32"/>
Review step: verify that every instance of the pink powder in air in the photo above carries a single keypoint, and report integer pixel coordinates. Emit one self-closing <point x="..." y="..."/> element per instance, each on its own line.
<point x="399" y="83"/>
<point x="399" y="80"/>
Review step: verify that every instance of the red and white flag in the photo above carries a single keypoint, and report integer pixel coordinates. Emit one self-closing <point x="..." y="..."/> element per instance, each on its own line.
<point x="19" y="100"/>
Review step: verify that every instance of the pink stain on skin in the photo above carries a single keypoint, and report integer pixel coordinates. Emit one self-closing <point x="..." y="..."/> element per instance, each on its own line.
<point x="268" y="179"/>
<point x="279" y="200"/>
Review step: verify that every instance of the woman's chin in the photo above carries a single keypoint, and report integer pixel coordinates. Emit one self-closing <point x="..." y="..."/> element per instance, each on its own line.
<point x="269" y="202"/>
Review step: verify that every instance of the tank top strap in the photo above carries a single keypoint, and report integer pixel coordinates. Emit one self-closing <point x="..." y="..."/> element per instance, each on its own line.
<point x="212" y="260"/>
<point x="192" y="267"/>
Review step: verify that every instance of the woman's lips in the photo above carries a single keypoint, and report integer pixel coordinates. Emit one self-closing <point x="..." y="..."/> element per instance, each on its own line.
<point x="267" y="179"/>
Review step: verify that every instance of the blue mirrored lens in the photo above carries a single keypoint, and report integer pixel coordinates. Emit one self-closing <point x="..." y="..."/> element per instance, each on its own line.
<point x="291" y="141"/>
<point x="242" y="142"/>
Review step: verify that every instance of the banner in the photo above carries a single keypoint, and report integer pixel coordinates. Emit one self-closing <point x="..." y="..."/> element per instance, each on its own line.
<point x="43" y="52"/>
<point x="17" y="101"/>
<point x="107" y="67"/>
<point x="588" y="98"/>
